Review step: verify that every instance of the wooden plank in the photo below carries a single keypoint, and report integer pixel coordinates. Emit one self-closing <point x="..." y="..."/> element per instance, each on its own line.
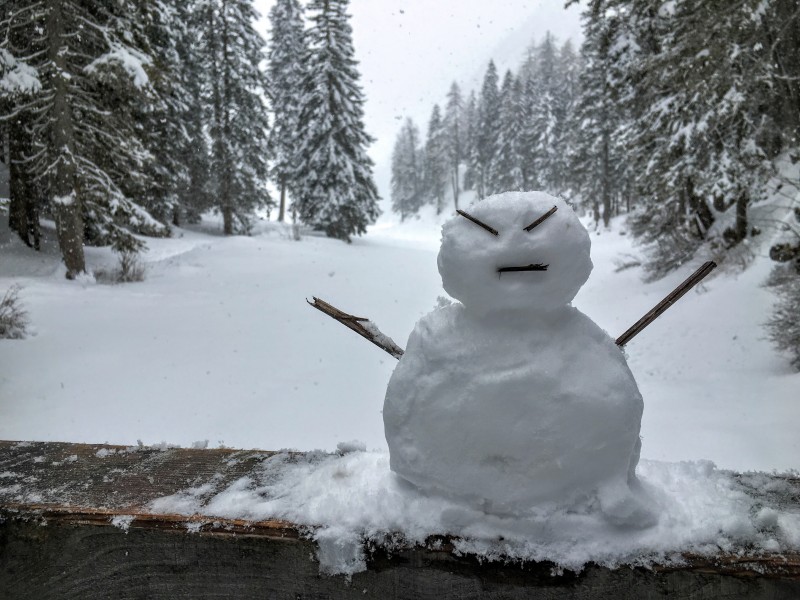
<point x="57" y="540"/>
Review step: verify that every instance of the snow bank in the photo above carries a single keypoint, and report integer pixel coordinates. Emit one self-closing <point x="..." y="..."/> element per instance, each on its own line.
<point x="347" y="501"/>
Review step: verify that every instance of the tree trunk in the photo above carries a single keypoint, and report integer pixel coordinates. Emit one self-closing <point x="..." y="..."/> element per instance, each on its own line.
<point x="606" y="193"/>
<point x="703" y="215"/>
<point x="227" y="220"/>
<point x="741" y="216"/>
<point x="282" y="206"/>
<point x="226" y="193"/>
<point x="23" y="216"/>
<point x="454" y="182"/>
<point x="66" y="200"/>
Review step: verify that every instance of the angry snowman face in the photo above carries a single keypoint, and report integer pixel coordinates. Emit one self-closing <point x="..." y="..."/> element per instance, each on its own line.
<point x="515" y="251"/>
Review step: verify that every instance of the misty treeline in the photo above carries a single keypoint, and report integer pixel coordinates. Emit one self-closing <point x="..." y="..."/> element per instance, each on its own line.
<point x="122" y="118"/>
<point x="677" y="112"/>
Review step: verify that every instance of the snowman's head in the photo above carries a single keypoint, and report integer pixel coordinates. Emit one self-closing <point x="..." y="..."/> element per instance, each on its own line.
<point x="512" y="251"/>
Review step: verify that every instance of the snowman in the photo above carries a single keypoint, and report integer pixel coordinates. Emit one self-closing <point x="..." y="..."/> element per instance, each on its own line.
<point x="511" y="398"/>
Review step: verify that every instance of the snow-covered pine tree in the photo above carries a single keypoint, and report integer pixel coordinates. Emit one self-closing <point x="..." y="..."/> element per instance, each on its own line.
<point x="336" y="191"/>
<point x="287" y="50"/>
<point x="454" y="134"/>
<point x="238" y="124"/>
<point x="699" y="115"/>
<point x="436" y="160"/>
<point x="470" y="128"/>
<point x="162" y="121"/>
<point x="541" y="114"/>
<point x="597" y="159"/>
<point x="198" y="195"/>
<point x="85" y="153"/>
<point x="485" y="140"/>
<point x="407" y="171"/>
<point x="568" y="68"/>
<point x="505" y="169"/>
<point x="19" y="82"/>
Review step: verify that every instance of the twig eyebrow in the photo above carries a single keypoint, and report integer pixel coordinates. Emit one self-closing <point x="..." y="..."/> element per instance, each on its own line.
<point x="539" y="221"/>
<point x="469" y="217"/>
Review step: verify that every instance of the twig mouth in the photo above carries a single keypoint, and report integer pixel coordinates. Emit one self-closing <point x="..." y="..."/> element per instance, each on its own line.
<point x="536" y="267"/>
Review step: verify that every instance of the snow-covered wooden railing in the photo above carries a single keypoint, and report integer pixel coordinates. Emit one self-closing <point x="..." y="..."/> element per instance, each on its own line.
<point x="75" y="523"/>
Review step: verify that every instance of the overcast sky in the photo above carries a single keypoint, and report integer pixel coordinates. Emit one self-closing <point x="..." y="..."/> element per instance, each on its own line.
<point x="410" y="50"/>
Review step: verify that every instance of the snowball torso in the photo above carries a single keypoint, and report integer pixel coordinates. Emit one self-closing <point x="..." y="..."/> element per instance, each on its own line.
<point x="513" y="398"/>
<point x="507" y="415"/>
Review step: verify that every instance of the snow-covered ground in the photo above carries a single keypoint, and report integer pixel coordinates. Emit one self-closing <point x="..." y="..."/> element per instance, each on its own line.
<point x="219" y="344"/>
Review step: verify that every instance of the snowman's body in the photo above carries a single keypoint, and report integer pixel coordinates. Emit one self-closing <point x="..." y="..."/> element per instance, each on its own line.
<point x="515" y="398"/>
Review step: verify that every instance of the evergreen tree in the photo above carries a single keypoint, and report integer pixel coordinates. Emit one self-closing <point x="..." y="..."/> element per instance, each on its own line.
<point x="407" y="171"/>
<point x="84" y="154"/>
<point x="542" y="116"/>
<point x="162" y="120"/>
<point x="454" y="134"/>
<point x="19" y="83"/>
<point x="198" y="195"/>
<point x="485" y="141"/>
<point x="238" y="129"/>
<point x="505" y="169"/>
<point x="597" y="159"/>
<point x="436" y="160"/>
<point x="470" y="127"/>
<point x="287" y="51"/>
<point x="567" y="86"/>
<point x="336" y="192"/>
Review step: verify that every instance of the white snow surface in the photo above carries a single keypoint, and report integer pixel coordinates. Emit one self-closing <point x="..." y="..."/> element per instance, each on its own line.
<point x="350" y="501"/>
<point x="515" y="398"/>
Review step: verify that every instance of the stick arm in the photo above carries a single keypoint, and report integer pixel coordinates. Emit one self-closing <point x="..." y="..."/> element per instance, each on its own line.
<point x="662" y="306"/>
<point x="361" y="325"/>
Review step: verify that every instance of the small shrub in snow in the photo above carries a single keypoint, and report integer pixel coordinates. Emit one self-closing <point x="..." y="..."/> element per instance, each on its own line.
<point x="784" y="324"/>
<point x="128" y="269"/>
<point x="13" y="319"/>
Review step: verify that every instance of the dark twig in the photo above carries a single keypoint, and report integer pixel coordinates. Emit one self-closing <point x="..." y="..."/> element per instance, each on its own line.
<point x="536" y="267"/>
<point x="362" y="326"/>
<point x="541" y="219"/>
<point x="469" y="217"/>
<point x="671" y="299"/>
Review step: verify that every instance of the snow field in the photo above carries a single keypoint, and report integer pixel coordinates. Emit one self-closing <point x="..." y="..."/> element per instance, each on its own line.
<point x="218" y="343"/>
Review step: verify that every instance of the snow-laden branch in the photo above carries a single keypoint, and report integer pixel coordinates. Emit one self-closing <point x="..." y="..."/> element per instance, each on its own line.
<point x="131" y="61"/>
<point x="17" y="77"/>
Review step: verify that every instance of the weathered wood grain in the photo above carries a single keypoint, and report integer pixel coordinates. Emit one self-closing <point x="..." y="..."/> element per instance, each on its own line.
<point x="57" y="502"/>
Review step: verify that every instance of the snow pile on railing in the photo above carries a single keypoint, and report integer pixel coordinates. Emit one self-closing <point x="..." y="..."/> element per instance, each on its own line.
<point x="351" y="500"/>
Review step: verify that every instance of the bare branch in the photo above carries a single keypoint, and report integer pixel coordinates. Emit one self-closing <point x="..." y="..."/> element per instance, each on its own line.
<point x="671" y="299"/>
<point x="362" y="326"/>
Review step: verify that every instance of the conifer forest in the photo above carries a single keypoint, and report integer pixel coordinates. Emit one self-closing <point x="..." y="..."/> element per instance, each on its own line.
<point x="122" y="121"/>
<point x="675" y="113"/>
<point x="121" y="118"/>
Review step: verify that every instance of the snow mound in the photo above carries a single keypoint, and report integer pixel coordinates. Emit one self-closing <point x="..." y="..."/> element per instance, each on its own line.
<point x="351" y="500"/>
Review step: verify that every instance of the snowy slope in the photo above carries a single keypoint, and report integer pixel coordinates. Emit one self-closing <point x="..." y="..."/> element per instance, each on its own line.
<point x="219" y="344"/>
